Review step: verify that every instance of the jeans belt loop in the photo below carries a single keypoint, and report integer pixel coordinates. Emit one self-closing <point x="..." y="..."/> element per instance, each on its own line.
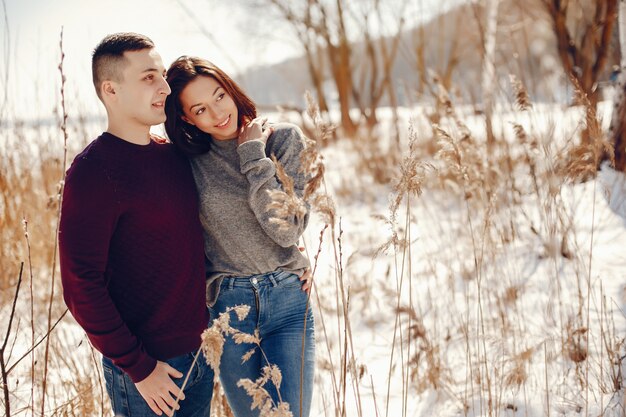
<point x="273" y="280"/>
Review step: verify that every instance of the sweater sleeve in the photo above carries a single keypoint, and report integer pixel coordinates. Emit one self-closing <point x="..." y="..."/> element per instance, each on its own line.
<point x="287" y="144"/>
<point x="89" y="216"/>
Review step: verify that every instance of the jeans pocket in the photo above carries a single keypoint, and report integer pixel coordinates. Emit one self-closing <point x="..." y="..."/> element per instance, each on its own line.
<point x="183" y="364"/>
<point x="288" y="280"/>
<point x="109" y="382"/>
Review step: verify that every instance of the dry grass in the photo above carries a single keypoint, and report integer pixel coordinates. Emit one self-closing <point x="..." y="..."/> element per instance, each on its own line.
<point x="492" y="184"/>
<point x="213" y="345"/>
<point x="511" y="196"/>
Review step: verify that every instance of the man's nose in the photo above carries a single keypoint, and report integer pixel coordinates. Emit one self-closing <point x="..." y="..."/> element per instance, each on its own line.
<point x="165" y="87"/>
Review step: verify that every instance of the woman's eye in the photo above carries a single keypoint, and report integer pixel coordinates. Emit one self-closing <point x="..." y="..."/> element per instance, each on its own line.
<point x="221" y="96"/>
<point x="200" y="111"/>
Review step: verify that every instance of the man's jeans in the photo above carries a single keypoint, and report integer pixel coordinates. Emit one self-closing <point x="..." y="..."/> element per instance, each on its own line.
<point x="128" y="402"/>
<point x="278" y="310"/>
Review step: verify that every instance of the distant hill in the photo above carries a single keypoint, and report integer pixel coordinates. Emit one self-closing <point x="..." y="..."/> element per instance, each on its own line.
<point x="526" y="47"/>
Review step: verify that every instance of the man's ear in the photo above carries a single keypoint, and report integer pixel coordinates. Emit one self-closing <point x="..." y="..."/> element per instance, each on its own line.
<point x="108" y="89"/>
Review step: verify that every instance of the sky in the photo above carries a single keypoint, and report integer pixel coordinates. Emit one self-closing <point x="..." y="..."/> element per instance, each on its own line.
<point x="226" y="32"/>
<point x="34" y="33"/>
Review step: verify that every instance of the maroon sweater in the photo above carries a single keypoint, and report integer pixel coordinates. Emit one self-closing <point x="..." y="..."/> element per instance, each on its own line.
<point x="131" y="252"/>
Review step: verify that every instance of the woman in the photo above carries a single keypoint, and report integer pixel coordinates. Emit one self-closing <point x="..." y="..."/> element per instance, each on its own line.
<point x="251" y="259"/>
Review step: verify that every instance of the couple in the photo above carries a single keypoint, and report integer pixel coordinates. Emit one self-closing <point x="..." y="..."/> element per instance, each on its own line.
<point x="152" y="232"/>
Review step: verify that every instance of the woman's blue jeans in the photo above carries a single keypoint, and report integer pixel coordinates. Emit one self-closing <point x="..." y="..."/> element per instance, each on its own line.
<point x="128" y="402"/>
<point x="278" y="309"/>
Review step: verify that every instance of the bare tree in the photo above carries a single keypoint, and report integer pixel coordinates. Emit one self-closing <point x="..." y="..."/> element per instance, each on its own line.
<point x="301" y="22"/>
<point x="322" y="27"/>
<point x="311" y="21"/>
<point x="488" y="83"/>
<point x="488" y="36"/>
<point x="378" y="51"/>
<point x="434" y="50"/>
<point x="339" y="56"/>
<point x="5" y="69"/>
<point x="447" y="56"/>
<point x="583" y="50"/>
<point x="618" y="125"/>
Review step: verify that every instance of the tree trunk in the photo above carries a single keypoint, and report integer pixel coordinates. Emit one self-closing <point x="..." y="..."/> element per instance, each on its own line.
<point x="343" y="83"/>
<point x="585" y="60"/>
<point x="316" y="76"/>
<point x="617" y="130"/>
<point x="489" y="66"/>
<point x="619" y="139"/>
<point x="339" y="59"/>
<point x="420" y="63"/>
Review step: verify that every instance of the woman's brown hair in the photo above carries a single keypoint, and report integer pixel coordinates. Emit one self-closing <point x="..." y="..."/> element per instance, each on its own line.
<point x="187" y="137"/>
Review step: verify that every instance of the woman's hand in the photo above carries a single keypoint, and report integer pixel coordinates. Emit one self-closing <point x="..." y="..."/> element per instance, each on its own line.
<point x="307" y="281"/>
<point x="257" y="129"/>
<point x="307" y="276"/>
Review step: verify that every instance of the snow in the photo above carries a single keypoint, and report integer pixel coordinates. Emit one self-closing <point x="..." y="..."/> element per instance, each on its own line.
<point x="555" y="297"/>
<point x="476" y="300"/>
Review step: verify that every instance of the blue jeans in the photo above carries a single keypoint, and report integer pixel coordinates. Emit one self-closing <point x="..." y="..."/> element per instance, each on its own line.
<point x="128" y="402"/>
<point x="278" y="309"/>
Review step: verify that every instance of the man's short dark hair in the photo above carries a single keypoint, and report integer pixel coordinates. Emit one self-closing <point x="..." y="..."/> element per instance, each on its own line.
<point x="108" y="59"/>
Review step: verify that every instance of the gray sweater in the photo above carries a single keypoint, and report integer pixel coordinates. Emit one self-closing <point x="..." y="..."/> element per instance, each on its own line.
<point x="233" y="183"/>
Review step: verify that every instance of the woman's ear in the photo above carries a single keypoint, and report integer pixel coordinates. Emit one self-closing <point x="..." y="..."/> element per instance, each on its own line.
<point x="186" y="119"/>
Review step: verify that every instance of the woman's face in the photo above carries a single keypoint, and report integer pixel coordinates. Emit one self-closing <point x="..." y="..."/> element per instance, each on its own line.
<point x="210" y="108"/>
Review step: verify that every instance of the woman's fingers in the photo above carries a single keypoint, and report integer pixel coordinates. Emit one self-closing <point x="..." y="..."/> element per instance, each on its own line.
<point x="258" y="128"/>
<point x="266" y="133"/>
<point x="307" y="278"/>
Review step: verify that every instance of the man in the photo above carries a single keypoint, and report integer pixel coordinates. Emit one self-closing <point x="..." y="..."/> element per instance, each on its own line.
<point x="131" y="247"/>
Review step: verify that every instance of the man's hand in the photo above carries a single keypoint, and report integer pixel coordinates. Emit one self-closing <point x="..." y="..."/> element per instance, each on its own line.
<point x="159" y="390"/>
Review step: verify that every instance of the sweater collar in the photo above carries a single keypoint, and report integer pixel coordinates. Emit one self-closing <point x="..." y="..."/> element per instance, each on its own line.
<point x="117" y="141"/>
<point x="228" y="144"/>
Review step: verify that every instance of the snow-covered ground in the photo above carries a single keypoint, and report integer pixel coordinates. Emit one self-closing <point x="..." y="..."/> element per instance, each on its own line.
<point x="497" y="314"/>
<point x="493" y="338"/>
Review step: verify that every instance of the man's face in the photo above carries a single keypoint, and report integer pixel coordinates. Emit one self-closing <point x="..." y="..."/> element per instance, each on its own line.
<point x="140" y="95"/>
